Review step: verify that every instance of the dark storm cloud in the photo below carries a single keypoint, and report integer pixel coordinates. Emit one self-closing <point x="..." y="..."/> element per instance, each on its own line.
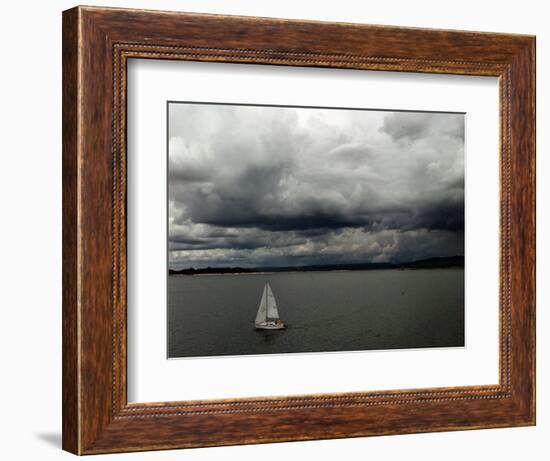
<point x="400" y="125"/>
<point x="264" y="185"/>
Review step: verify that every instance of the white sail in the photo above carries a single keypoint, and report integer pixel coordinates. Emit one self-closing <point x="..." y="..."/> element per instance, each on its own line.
<point x="267" y="317"/>
<point x="261" y="316"/>
<point x="272" y="311"/>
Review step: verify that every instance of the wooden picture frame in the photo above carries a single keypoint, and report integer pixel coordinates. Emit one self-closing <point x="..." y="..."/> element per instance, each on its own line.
<point x="97" y="43"/>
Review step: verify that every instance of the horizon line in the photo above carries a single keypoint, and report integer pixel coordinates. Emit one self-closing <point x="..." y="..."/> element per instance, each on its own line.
<point x="252" y="268"/>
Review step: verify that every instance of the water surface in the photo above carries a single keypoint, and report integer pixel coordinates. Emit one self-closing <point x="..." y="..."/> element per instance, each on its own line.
<point x="212" y="315"/>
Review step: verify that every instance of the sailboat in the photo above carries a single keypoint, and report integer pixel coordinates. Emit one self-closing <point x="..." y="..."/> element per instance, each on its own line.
<point x="267" y="317"/>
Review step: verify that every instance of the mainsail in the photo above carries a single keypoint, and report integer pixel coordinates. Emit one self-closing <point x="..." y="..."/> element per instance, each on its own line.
<point x="272" y="311"/>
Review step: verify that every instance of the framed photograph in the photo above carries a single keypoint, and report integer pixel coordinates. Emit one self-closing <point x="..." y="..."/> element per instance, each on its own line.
<point x="281" y="230"/>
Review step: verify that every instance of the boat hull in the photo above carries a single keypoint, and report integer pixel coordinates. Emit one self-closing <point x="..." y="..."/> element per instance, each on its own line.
<point x="270" y="326"/>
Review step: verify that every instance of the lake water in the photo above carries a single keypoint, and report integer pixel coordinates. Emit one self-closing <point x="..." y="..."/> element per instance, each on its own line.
<point x="325" y="311"/>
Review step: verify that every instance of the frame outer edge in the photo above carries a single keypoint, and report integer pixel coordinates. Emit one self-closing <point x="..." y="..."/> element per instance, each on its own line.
<point x="523" y="232"/>
<point x="534" y="213"/>
<point x="70" y="190"/>
<point x="532" y="56"/>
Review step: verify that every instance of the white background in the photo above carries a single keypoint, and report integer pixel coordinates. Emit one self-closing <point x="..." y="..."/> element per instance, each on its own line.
<point x="30" y="247"/>
<point x="153" y="378"/>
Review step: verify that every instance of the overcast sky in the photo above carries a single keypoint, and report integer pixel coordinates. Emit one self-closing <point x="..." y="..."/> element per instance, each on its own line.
<point x="269" y="186"/>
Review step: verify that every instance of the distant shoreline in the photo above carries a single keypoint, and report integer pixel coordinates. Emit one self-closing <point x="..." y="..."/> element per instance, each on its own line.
<point x="431" y="263"/>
